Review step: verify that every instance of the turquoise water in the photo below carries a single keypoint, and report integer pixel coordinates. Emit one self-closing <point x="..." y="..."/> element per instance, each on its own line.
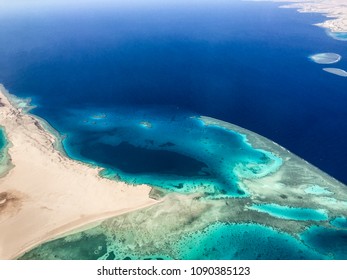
<point x="327" y="241"/>
<point x="217" y="241"/>
<point x="285" y="212"/>
<point x="316" y="190"/>
<point x="2" y="139"/>
<point x="165" y="149"/>
<point x="338" y="35"/>
<point x="243" y="241"/>
<point x="217" y="59"/>
<point x="340" y="222"/>
<point x="139" y="75"/>
<point x="3" y="152"/>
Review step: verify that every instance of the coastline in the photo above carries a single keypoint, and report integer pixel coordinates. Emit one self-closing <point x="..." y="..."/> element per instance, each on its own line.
<point x="296" y="188"/>
<point x="334" y="10"/>
<point x="48" y="194"/>
<point x="286" y="185"/>
<point x="38" y="205"/>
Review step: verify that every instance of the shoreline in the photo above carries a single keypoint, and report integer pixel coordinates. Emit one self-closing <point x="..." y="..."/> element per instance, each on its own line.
<point x="284" y="187"/>
<point x="335" y="12"/>
<point x="75" y="227"/>
<point x="25" y="106"/>
<point x="49" y="194"/>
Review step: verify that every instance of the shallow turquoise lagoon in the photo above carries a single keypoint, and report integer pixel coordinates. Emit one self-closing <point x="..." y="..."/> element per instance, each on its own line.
<point x="137" y="86"/>
<point x="217" y="241"/>
<point x="168" y="150"/>
<point x="338" y="35"/>
<point x="340" y="222"/>
<point x="243" y="241"/>
<point x="3" y="152"/>
<point x="2" y="139"/>
<point x="316" y="190"/>
<point x="285" y="212"/>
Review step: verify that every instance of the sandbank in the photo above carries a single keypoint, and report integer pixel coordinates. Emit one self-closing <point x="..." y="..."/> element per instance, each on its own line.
<point x="46" y="194"/>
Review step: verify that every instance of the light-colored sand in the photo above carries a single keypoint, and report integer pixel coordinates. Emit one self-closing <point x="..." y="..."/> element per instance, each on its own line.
<point x="47" y="194"/>
<point x="335" y="10"/>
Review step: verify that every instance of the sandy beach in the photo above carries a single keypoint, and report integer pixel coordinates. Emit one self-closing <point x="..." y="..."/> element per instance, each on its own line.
<point x="45" y="194"/>
<point x="334" y="10"/>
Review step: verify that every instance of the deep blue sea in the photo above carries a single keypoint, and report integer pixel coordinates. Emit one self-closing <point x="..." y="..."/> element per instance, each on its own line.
<point x="242" y="62"/>
<point x="121" y="83"/>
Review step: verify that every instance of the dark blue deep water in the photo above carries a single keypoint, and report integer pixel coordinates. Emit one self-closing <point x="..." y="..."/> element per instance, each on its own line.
<point x="242" y="62"/>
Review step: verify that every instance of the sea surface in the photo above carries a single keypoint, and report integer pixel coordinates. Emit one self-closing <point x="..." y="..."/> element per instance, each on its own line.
<point x="242" y="62"/>
<point x="124" y="85"/>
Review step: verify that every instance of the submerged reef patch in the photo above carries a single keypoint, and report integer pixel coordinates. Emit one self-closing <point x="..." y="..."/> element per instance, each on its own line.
<point x="316" y="190"/>
<point x="342" y="36"/>
<point x="243" y="241"/>
<point x="325" y="58"/>
<point x="247" y="198"/>
<point x="340" y="222"/>
<point x="175" y="152"/>
<point x="336" y="71"/>
<point x="285" y="212"/>
<point x="218" y="241"/>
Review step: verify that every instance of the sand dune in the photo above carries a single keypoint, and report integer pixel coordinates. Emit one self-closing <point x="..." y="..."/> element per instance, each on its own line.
<point x="46" y="194"/>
